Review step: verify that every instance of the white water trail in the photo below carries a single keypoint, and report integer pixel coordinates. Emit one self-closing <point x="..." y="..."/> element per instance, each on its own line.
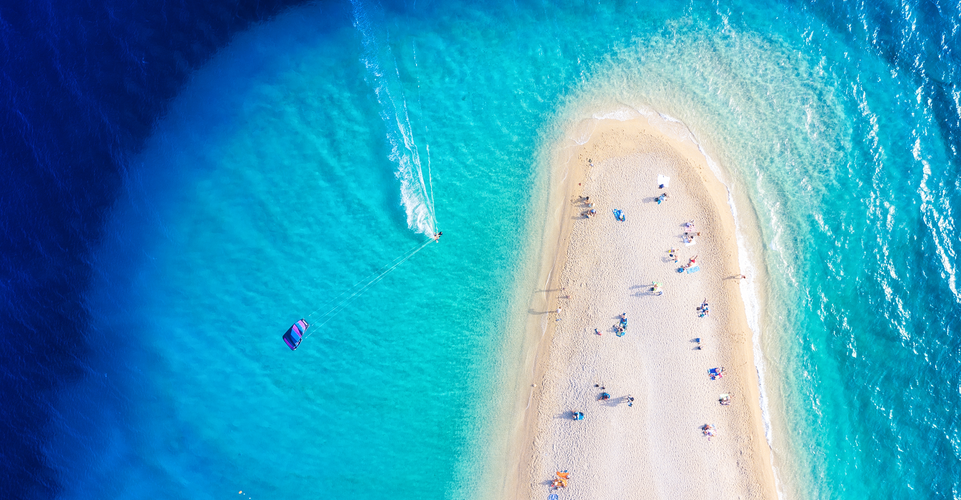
<point x="415" y="195"/>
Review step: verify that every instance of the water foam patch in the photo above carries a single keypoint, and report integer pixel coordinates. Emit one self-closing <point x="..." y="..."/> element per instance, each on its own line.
<point x="383" y="76"/>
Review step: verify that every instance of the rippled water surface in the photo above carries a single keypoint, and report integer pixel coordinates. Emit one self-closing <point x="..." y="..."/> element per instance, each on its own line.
<point x="290" y="161"/>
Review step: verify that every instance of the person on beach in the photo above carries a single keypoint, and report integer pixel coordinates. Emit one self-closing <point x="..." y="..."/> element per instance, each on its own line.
<point x="703" y="309"/>
<point x="597" y="332"/>
<point x="660" y="199"/>
<point x="672" y="253"/>
<point x="708" y="431"/>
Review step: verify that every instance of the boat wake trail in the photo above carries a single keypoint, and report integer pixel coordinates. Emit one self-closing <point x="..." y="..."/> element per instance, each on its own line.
<point x="384" y="78"/>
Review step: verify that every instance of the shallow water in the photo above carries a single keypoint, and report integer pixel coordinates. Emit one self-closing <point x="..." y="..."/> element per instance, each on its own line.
<point x="289" y="168"/>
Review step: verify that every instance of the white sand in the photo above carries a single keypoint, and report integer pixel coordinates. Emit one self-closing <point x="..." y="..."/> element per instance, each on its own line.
<point x="654" y="449"/>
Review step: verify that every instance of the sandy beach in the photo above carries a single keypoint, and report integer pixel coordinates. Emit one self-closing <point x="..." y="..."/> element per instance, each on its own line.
<point x="600" y="268"/>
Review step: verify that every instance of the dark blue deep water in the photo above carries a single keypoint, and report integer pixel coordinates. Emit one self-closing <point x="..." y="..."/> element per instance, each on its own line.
<point x="82" y="85"/>
<point x="146" y="184"/>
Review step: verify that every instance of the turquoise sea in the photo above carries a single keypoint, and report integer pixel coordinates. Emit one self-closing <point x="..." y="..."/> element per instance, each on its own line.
<point x="318" y="146"/>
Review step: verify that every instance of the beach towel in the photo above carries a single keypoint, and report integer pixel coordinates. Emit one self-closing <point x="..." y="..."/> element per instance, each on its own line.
<point x="619" y="215"/>
<point x="663" y="180"/>
<point x="691" y="243"/>
<point x="693" y="269"/>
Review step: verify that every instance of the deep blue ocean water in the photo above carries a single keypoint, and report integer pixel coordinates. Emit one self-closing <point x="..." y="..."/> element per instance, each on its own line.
<point x="186" y="180"/>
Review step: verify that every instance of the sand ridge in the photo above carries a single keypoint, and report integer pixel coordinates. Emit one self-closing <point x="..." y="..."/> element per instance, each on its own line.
<point x="654" y="448"/>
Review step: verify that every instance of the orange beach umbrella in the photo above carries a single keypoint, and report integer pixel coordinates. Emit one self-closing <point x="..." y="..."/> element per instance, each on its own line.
<point x="562" y="478"/>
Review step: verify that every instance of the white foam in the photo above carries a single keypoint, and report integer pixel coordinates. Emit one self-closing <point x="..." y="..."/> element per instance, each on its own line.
<point x="414" y="194"/>
<point x="937" y="224"/>
<point x="621" y="114"/>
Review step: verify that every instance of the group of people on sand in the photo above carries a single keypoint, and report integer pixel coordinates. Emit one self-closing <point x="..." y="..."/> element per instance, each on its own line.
<point x="603" y="396"/>
<point x="621" y="327"/>
<point x="661" y="198"/>
<point x="690" y="263"/>
<point x="690" y="234"/>
<point x="689" y="237"/>
<point x="715" y="374"/>
<point x="589" y="205"/>
<point x="707" y="430"/>
<point x="703" y="309"/>
<point x="560" y="481"/>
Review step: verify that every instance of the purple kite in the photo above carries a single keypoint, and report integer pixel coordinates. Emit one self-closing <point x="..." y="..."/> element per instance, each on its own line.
<point x="295" y="334"/>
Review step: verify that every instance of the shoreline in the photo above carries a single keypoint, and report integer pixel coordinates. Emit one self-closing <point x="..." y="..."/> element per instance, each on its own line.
<point x="563" y="367"/>
<point x="554" y="239"/>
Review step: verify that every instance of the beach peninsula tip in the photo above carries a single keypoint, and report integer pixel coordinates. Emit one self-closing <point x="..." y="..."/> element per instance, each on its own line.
<point x="645" y="384"/>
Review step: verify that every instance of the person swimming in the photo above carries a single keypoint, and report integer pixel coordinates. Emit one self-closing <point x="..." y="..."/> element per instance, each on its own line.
<point x="437" y="236"/>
